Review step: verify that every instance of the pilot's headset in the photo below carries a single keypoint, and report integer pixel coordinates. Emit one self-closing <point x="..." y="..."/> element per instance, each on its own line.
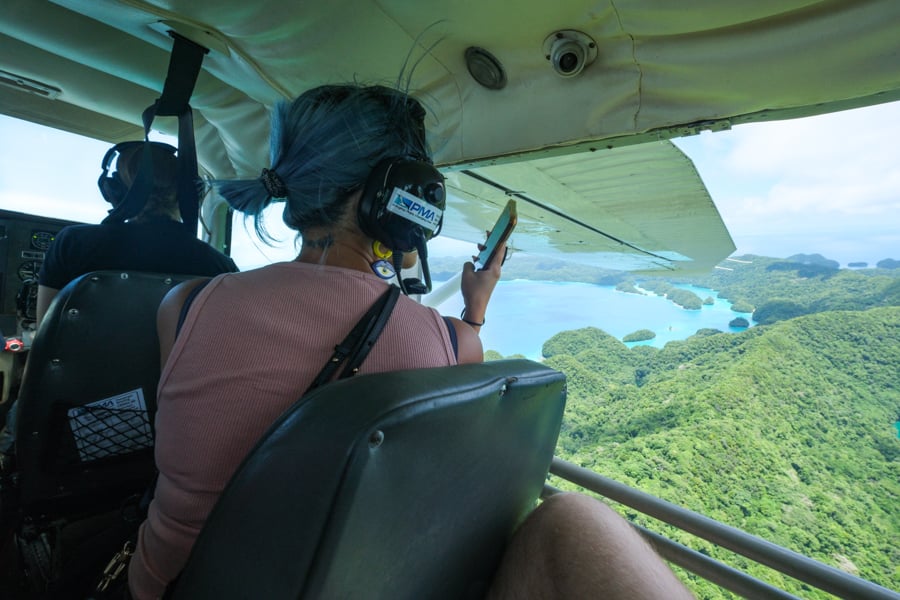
<point x="402" y="206"/>
<point x="127" y="201"/>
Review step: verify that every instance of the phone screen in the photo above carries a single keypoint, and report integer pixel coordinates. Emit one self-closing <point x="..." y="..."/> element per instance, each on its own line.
<point x="499" y="234"/>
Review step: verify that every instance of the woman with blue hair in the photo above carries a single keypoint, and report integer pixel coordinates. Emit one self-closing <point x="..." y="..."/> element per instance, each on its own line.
<point x="351" y="164"/>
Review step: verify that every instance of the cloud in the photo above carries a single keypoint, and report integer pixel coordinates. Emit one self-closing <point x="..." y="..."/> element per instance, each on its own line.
<point x="844" y="144"/>
<point x="829" y="183"/>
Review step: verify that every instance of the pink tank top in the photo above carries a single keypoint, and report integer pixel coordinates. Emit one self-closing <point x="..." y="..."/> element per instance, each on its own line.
<point x="249" y="347"/>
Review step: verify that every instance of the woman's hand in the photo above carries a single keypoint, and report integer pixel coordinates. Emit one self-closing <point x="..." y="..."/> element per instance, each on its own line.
<point x="477" y="286"/>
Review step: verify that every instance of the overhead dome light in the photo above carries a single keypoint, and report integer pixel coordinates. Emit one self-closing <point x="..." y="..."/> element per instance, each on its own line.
<point x="569" y="52"/>
<point x="485" y="68"/>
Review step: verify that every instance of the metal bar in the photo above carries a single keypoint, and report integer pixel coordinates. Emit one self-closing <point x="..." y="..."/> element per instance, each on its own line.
<point x="733" y="580"/>
<point x="764" y="552"/>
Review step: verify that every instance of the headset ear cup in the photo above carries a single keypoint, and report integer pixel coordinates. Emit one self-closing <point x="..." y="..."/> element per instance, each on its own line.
<point x="112" y="188"/>
<point x="411" y="176"/>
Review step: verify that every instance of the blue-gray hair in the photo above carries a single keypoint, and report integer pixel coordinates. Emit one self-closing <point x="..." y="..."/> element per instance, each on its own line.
<point x="323" y="145"/>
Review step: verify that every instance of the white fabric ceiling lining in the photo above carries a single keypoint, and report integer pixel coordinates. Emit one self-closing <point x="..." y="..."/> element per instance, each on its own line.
<point x="702" y="61"/>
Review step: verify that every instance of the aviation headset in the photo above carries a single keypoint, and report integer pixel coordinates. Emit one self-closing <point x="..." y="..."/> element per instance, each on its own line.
<point x="128" y="201"/>
<point x="402" y="206"/>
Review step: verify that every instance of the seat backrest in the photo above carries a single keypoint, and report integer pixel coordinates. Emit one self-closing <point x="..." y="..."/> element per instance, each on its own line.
<point x="88" y="394"/>
<point x="397" y="485"/>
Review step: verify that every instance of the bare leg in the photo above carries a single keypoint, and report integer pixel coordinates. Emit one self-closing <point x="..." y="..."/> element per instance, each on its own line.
<point x="573" y="546"/>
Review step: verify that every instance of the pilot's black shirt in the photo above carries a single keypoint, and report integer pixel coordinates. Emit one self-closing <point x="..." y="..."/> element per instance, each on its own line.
<point x="157" y="245"/>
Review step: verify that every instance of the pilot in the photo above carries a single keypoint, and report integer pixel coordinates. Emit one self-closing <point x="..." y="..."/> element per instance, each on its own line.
<point x="133" y="237"/>
<point x="340" y="156"/>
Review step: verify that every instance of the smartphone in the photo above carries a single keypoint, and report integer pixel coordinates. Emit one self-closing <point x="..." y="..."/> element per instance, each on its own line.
<point x="499" y="234"/>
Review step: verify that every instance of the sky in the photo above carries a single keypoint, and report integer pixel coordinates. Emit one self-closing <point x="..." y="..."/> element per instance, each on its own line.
<point x="828" y="184"/>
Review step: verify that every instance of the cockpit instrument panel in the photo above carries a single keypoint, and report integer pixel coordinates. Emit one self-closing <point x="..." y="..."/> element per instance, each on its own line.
<point x="24" y="241"/>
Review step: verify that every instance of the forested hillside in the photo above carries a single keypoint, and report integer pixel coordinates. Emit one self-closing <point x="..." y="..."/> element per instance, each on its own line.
<point x="784" y="288"/>
<point x="785" y="430"/>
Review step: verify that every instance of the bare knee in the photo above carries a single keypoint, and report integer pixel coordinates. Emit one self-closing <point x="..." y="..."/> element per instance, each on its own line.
<point x="574" y="546"/>
<point x="550" y="550"/>
<point x="573" y="510"/>
<point x="570" y="520"/>
<point x="576" y="530"/>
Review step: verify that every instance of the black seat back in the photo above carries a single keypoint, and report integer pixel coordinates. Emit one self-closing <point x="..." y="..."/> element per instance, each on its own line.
<point x="82" y="437"/>
<point x="397" y="485"/>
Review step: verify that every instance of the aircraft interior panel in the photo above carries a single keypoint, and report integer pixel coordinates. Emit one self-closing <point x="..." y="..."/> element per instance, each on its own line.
<point x="24" y="240"/>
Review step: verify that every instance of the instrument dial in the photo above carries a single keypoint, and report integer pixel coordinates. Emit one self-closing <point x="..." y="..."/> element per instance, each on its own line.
<point x="41" y="240"/>
<point x="29" y="270"/>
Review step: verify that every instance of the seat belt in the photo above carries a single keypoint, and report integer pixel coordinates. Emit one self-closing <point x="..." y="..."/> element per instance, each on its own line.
<point x="355" y="347"/>
<point x="184" y="68"/>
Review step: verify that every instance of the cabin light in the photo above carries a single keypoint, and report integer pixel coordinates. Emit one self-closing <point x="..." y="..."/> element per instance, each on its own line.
<point x="485" y="68"/>
<point x="31" y="86"/>
<point x="569" y="52"/>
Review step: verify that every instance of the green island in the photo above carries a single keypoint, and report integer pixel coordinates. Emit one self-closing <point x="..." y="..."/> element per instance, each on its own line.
<point x="640" y="335"/>
<point x="778" y="289"/>
<point x="742" y="307"/>
<point x="627" y="287"/>
<point x="787" y="430"/>
<point x="683" y="298"/>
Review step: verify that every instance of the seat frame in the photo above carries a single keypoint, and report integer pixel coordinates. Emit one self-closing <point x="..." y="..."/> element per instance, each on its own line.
<point x="97" y="342"/>
<point x="400" y="485"/>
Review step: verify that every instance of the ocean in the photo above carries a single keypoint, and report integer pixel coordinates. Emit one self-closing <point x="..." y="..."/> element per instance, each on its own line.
<point x="524" y="314"/>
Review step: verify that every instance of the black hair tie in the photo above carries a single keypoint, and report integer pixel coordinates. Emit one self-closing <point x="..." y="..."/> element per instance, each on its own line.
<point x="273" y="183"/>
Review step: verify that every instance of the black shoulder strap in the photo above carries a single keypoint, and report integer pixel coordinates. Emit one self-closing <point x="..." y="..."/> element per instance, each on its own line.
<point x="356" y="345"/>
<point x="184" y="68"/>
<point x="192" y="295"/>
<point x="359" y="342"/>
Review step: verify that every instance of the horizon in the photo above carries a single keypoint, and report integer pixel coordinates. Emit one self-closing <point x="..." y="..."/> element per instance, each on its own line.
<point x="440" y="267"/>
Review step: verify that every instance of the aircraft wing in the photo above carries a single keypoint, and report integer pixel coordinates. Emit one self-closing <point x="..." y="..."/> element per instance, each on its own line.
<point x="636" y="208"/>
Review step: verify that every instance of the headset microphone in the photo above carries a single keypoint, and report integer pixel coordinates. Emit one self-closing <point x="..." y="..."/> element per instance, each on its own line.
<point x="412" y="286"/>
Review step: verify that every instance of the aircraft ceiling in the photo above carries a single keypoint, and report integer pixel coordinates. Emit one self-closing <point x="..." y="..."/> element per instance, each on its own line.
<point x="662" y="69"/>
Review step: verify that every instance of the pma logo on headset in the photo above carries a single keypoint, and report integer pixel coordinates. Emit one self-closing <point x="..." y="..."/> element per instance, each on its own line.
<point x="414" y="209"/>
